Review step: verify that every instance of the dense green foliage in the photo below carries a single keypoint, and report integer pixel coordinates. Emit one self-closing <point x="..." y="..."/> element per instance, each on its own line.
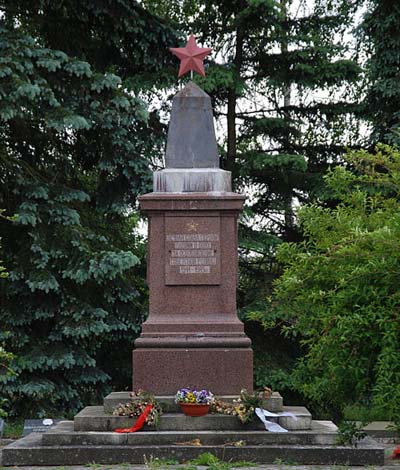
<point x="74" y="154"/>
<point x="381" y="39"/>
<point x="76" y="147"/>
<point x="280" y="82"/>
<point x="340" y="289"/>
<point x="5" y="357"/>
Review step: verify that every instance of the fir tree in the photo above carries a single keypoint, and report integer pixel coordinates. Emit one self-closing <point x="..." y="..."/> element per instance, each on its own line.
<point x="380" y="39"/>
<point x="272" y="61"/>
<point x="74" y="154"/>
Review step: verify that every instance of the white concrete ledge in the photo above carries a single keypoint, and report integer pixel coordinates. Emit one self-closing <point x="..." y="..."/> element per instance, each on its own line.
<point x="191" y="180"/>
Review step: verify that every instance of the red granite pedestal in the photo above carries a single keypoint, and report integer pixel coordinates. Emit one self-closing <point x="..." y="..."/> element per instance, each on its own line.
<point x="192" y="336"/>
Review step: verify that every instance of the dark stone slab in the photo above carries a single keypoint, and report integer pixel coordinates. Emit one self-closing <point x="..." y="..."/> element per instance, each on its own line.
<point x="191" y="135"/>
<point x="30" y="451"/>
<point x="39" y="425"/>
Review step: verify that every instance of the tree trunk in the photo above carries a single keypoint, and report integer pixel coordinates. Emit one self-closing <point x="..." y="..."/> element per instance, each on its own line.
<point x="232" y="99"/>
<point x="288" y="202"/>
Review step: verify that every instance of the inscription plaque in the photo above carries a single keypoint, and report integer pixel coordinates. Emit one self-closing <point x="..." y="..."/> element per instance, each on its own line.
<point x="193" y="251"/>
<point x="39" y="425"/>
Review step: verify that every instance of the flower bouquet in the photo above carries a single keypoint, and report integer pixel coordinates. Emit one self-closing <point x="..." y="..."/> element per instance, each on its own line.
<point x="243" y="407"/>
<point x="194" y="402"/>
<point x="137" y="407"/>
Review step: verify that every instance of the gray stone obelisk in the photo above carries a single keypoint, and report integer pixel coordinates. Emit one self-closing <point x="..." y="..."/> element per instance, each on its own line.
<point x="192" y="336"/>
<point x="191" y="160"/>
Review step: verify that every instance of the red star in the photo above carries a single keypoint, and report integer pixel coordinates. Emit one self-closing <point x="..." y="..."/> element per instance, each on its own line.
<point x="191" y="57"/>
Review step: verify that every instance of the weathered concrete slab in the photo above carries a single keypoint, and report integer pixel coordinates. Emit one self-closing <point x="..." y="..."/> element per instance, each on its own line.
<point x="167" y="402"/>
<point x="191" y="180"/>
<point x="322" y="433"/>
<point x="30" y="451"/>
<point x="382" y="429"/>
<point x="111" y="401"/>
<point x="93" y="418"/>
<point x="302" y="419"/>
<point x="274" y="403"/>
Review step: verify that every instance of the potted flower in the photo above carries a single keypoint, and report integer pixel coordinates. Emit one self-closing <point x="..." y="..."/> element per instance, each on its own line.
<point x="194" y="402"/>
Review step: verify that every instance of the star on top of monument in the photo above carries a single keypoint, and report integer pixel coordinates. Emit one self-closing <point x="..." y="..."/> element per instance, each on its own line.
<point x="191" y="56"/>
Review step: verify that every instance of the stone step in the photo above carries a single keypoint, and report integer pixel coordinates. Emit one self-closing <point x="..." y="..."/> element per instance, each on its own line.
<point x="273" y="403"/>
<point x="30" y="451"/>
<point x="321" y="433"/>
<point x="380" y="429"/>
<point x="93" y="418"/>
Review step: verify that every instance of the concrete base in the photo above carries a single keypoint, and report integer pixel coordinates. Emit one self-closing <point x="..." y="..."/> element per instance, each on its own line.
<point x="167" y="402"/>
<point x="225" y="371"/>
<point x="90" y="439"/>
<point x="31" y="451"/>
<point x="321" y="433"/>
<point x="381" y="429"/>
<point x="93" y="418"/>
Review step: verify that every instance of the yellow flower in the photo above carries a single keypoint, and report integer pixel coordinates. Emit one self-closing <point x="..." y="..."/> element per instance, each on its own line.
<point x="191" y="398"/>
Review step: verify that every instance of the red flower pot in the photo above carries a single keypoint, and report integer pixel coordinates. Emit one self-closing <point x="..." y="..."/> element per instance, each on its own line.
<point x="194" y="409"/>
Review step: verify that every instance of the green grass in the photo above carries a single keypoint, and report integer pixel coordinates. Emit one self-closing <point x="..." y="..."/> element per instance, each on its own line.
<point x="243" y="463"/>
<point x="214" y="463"/>
<point x="154" y="463"/>
<point x="364" y="413"/>
<point x="13" y="429"/>
<point x="285" y="462"/>
<point x="206" y="459"/>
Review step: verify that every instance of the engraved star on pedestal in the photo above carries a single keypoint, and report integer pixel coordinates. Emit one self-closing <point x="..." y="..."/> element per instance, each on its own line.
<point x="191" y="57"/>
<point x="192" y="226"/>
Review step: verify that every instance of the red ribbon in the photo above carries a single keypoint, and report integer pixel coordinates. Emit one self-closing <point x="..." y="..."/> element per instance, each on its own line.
<point x="139" y="422"/>
<point x="396" y="453"/>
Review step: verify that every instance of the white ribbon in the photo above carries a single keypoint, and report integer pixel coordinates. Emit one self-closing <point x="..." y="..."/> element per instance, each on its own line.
<point x="269" y="425"/>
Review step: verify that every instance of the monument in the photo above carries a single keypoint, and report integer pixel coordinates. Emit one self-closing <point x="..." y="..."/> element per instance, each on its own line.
<point x="192" y="337"/>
